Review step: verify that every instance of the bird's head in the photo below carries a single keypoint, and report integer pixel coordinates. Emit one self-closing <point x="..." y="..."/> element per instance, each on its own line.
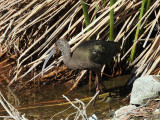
<point x="62" y="44"/>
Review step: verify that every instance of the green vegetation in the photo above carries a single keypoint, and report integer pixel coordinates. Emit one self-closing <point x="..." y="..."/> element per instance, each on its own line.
<point x="112" y="21"/>
<point x="133" y="52"/>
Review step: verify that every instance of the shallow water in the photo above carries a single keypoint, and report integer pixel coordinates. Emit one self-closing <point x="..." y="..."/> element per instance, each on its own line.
<point x="45" y="103"/>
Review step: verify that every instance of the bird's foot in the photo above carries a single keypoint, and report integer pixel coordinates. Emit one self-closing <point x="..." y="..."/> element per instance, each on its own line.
<point x="95" y="97"/>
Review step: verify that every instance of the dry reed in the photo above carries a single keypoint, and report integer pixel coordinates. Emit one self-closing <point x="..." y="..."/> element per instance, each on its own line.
<point x="29" y="29"/>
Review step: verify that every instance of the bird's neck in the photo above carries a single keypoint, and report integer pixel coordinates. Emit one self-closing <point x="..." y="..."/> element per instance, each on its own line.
<point x="66" y="55"/>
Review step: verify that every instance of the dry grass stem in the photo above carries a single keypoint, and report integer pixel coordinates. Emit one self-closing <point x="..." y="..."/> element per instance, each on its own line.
<point x="29" y="29"/>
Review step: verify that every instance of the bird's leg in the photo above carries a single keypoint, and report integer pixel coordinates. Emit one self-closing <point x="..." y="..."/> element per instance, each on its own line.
<point x="98" y="78"/>
<point x="90" y="77"/>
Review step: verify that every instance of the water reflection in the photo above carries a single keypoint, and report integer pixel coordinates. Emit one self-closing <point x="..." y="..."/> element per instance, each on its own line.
<point x="43" y="104"/>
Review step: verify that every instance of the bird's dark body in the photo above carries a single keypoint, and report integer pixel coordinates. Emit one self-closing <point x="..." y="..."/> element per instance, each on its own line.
<point x="89" y="55"/>
<point x="94" y="54"/>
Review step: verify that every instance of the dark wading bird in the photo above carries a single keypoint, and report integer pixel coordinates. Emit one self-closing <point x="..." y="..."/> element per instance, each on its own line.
<point x="89" y="55"/>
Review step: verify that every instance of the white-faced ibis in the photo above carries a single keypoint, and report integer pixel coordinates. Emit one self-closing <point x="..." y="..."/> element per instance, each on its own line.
<point x="89" y="55"/>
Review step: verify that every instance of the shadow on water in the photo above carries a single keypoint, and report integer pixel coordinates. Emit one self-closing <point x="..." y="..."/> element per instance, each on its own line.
<point x="43" y="104"/>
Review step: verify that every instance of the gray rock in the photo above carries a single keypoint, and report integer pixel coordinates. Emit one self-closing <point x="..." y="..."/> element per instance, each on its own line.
<point x="144" y="88"/>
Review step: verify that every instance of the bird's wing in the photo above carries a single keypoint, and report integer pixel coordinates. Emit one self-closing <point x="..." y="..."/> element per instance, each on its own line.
<point x="98" y="53"/>
<point x="102" y="52"/>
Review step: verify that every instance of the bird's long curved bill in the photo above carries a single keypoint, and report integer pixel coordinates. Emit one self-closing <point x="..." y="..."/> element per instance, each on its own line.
<point x="53" y="51"/>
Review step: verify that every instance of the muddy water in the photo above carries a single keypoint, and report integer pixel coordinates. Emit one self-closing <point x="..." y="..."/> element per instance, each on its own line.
<point x="43" y="104"/>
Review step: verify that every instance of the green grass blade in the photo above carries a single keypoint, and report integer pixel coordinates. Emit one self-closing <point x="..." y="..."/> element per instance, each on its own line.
<point x="111" y="22"/>
<point x="132" y="56"/>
